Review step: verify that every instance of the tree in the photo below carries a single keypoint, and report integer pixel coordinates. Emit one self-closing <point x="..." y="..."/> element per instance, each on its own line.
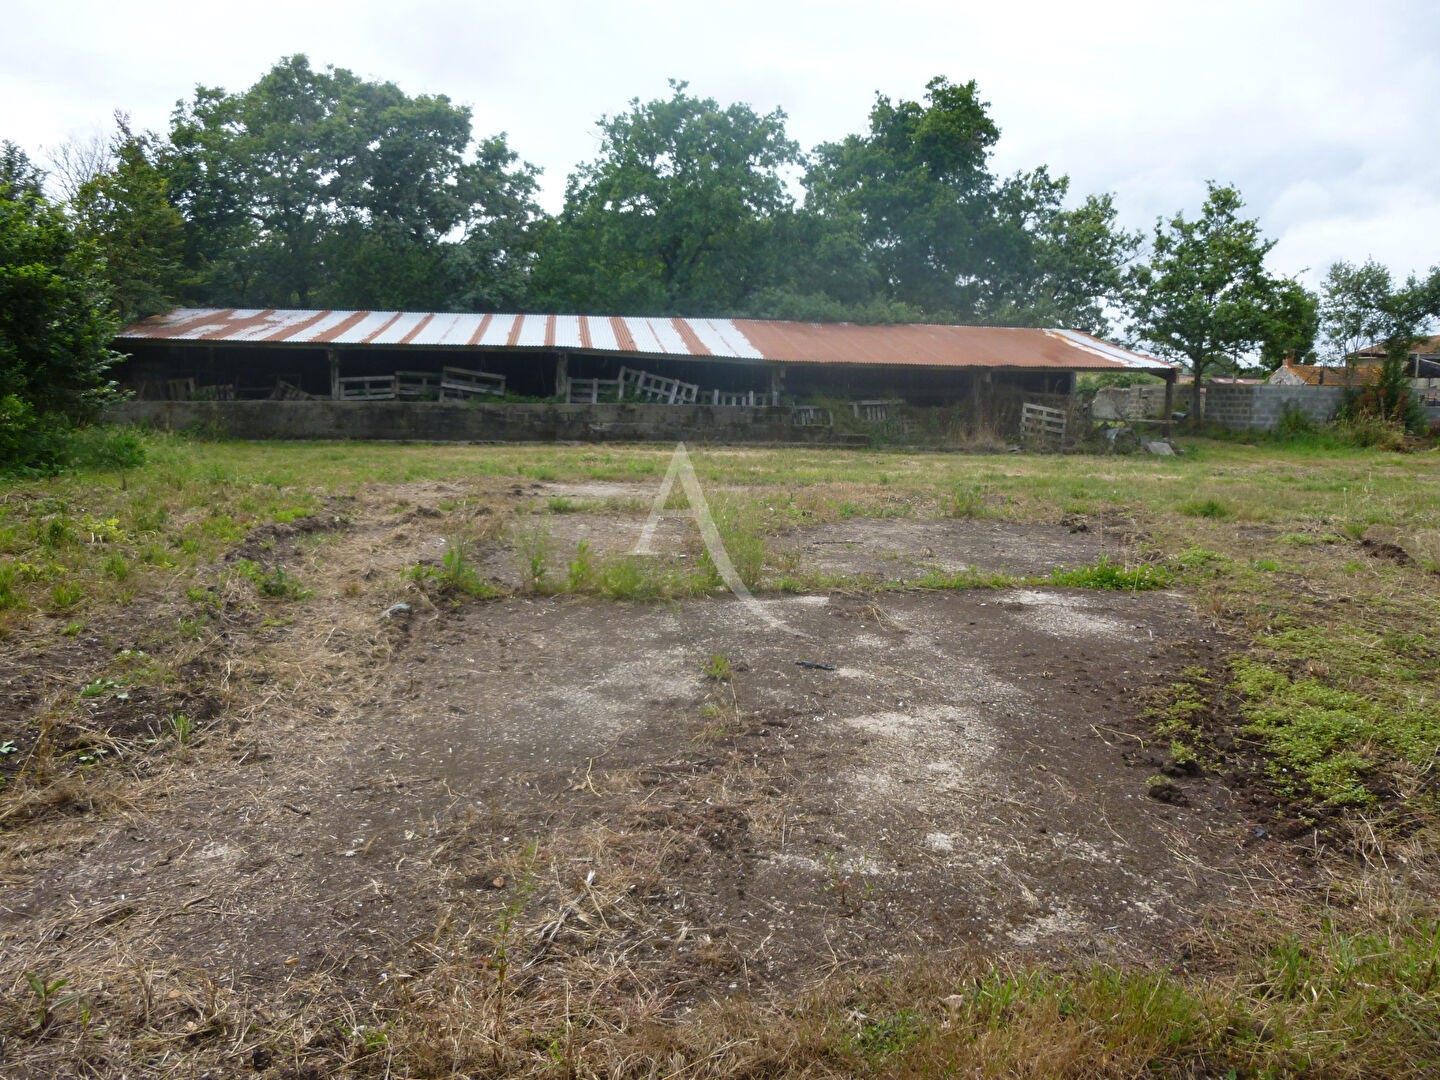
<point x="1354" y="307"/>
<point x="124" y="210"/>
<point x="1064" y="267"/>
<point x="946" y="238"/>
<point x="1291" y="323"/>
<point x="1362" y="306"/>
<point x="318" y="187"/>
<point x="919" y="186"/>
<point x="1205" y="297"/>
<point x="54" y="327"/>
<point x="680" y="212"/>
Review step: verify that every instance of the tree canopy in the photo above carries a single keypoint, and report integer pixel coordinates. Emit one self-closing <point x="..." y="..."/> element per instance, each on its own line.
<point x="318" y="188"/>
<point x="682" y="210"/>
<point x="1205" y="296"/>
<point x="55" y="329"/>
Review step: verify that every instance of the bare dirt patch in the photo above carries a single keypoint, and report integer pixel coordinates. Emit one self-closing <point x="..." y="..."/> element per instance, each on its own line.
<point x="892" y="549"/>
<point x="567" y="782"/>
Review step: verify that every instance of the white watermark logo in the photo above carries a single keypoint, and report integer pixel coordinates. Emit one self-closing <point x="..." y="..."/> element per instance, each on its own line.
<point x="681" y="467"/>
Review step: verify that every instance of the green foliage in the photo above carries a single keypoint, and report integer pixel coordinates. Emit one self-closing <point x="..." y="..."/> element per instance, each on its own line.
<point x="1354" y="307"/>
<point x="1294" y="423"/>
<point x="318" y="188"/>
<point x="1211" y="508"/>
<point x="580" y="574"/>
<point x="1292" y="321"/>
<point x="48" y="998"/>
<point x="54" y="328"/>
<point x="1105" y="574"/>
<point x="277" y="583"/>
<point x="678" y="213"/>
<point x="915" y="202"/>
<point x="969" y="578"/>
<point x="919" y="188"/>
<point x="455" y="575"/>
<point x="1325" y="740"/>
<point x="126" y="213"/>
<point x="967" y="501"/>
<point x="882" y="1038"/>
<point x="1205" y="297"/>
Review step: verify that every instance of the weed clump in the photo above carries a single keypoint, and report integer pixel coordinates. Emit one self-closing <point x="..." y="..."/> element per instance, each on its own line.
<point x="1109" y="575"/>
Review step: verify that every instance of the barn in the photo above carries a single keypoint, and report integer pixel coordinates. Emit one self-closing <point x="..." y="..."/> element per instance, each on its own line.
<point x="238" y="355"/>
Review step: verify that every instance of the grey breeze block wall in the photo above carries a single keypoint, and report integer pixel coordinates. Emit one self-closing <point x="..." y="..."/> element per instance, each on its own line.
<point x="1258" y="406"/>
<point x="428" y="421"/>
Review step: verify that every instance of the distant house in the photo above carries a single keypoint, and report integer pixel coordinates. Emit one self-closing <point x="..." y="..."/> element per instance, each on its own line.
<point x="1424" y="357"/>
<point x="1289" y="373"/>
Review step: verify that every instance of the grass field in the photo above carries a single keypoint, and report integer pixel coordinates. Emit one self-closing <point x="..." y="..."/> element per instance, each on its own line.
<point x="164" y="628"/>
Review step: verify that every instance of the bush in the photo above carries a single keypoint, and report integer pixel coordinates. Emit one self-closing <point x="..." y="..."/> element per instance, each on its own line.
<point x="33" y="445"/>
<point x="29" y="445"/>
<point x="106" y="447"/>
<point x="1294" y="423"/>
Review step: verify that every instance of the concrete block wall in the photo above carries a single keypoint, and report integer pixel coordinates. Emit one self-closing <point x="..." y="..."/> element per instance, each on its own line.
<point x="430" y="421"/>
<point x="1258" y="407"/>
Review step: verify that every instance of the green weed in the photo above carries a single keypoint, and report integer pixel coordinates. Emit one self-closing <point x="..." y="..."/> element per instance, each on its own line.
<point x="1108" y="575"/>
<point x="1206" y="508"/>
<point x="580" y="573"/>
<point x="276" y="584"/>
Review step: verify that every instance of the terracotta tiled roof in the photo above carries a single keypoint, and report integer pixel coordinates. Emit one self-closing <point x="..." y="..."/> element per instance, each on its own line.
<point x="1317" y="375"/>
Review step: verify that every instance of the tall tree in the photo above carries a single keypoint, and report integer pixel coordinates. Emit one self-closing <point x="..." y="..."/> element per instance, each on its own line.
<point x="1363" y="306"/>
<point x="919" y="185"/>
<point x="125" y="211"/>
<point x="1354" y="307"/>
<point x="1292" y="320"/>
<point x="1057" y="266"/>
<point x="54" y="327"/>
<point x="679" y="212"/>
<point x="947" y="238"/>
<point x="1205" y="297"/>
<point x="318" y="187"/>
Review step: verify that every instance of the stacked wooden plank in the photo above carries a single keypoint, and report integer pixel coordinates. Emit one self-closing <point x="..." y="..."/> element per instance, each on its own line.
<point x="461" y="384"/>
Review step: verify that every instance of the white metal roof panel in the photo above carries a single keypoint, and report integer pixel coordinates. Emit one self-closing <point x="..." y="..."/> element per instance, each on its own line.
<point x="532" y="332"/>
<point x="1104" y="348"/>
<point x="723" y="338"/>
<point x="567" y="332"/>
<point x="396" y="331"/>
<point x="497" y="333"/>
<point x="656" y="336"/>
<point x="602" y="334"/>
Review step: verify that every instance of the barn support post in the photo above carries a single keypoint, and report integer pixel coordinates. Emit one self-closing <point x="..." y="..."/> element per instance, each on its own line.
<point x="1169" y="401"/>
<point x="562" y="377"/>
<point x="777" y="383"/>
<point x="333" y="355"/>
<point x="980" y="395"/>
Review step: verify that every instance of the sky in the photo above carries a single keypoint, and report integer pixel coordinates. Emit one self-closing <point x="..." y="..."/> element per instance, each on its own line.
<point x="1322" y="113"/>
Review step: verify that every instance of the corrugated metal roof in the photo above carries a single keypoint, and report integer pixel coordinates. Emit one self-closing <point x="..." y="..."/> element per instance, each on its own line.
<point x="902" y="345"/>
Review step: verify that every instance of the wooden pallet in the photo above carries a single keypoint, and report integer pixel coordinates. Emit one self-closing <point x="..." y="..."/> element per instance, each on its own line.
<point x="417" y="385"/>
<point x="365" y="388"/>
<point x="592" y="391"/>
<point x="642" y="386"/>
<point x="1041" y="422"/>
<point x="460" y="384"/>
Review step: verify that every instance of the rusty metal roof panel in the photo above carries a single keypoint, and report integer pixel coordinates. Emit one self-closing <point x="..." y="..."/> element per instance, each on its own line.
<point x="906" y="345"/>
